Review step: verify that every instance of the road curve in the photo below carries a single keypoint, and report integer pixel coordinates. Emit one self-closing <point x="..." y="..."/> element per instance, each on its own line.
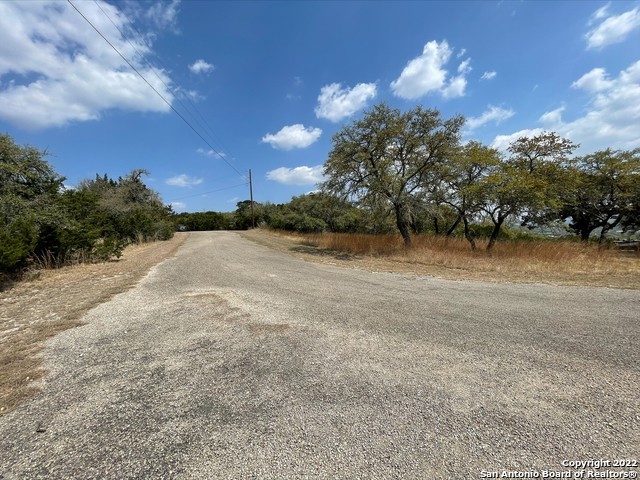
<point x="231" y="360"/>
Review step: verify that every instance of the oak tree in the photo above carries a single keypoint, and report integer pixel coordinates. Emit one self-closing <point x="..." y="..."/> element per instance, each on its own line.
<point x="387" y="157"/>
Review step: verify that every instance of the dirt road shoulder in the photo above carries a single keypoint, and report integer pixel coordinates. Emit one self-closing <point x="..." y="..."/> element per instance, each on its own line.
<point x="35" y="310"/>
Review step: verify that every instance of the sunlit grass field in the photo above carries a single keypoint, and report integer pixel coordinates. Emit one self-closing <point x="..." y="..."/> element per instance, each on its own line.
<point x="540" y="257"/>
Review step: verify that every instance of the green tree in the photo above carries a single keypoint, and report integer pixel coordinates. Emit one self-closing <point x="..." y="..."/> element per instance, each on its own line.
<point x="202" y="221"/>
<point x="604" y="192"/>
<point x="462" y="183"/>
<point x="128" y="208"/>
<point x="29" y="191"/>
<point x="320" y="211"/>
<point x="528" y="184"/>
<point x="386" y="157"/>
<point x="242" y="215"/>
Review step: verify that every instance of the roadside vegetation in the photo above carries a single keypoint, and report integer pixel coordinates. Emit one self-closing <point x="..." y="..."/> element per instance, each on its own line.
<point x="410" y="174"/>
<point x="44" y="223"/>
<point x="556" y="262"/>
<point x="390" y="173"/>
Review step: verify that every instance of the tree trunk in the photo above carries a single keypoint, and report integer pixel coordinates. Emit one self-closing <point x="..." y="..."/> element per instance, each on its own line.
<point x="608" y="225"/>
<point x="436" y="226"/>
<point x="494" y="234"/>
<point x="468" y="235"/>
<point x="584" y="234"/>
<point x="601" y="238"/>
<point x="453" y="227"/>
<point x="403" y="224"/>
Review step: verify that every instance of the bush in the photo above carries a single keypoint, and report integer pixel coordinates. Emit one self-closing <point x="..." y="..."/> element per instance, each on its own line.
<point x="17" y="243"/>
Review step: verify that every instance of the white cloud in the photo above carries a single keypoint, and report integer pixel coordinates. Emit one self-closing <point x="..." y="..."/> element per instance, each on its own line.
<point x="455" y="88"/>
<point x="502" y="142"/>
<point x="183" y="180"/>
<point x="553" y="119"/>
<point x="612" y="118"/>
<point x="488" y="75"/>
<point x="593" y="81"/>
<point x="164" y="14"/>
<point x="200" y="66"/>
<point x="602" y="12"/>
<point x="336" y="103"/>
<point x="493" y="114"/>
<point x="426" y="73"/>
<point x="292" y="136"/>
<point x="211" y="153"/>
<point x="297" y="176"/>
<point x="178" y="206"/>
<point x="614" y="29"/>
<point x="613" y="113"/>
<point x="465" y="66"/>
<point x="461" y="53"/>
<point x="64" y="72"/>
<point x="192" y="95"/>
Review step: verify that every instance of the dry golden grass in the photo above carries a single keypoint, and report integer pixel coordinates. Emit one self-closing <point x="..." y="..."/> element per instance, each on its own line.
<point x="540" y="261"/>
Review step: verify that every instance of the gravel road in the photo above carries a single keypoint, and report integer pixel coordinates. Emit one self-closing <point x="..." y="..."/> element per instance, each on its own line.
<point x="231" y="360"/>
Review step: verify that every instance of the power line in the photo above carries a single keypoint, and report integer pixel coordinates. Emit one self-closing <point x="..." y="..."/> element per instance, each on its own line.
<point x="153" y="69"/>
<point x="210" y="191"/>
<point x="156" y="91"/>
<point x="211" y="131"/>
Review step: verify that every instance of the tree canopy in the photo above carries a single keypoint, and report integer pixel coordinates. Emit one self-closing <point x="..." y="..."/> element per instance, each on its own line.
<point x="388" y="157"/>
<point x="40" y="218"/>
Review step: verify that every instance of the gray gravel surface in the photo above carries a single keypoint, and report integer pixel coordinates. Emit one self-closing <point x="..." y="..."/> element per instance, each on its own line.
<point x="231" y="360"/>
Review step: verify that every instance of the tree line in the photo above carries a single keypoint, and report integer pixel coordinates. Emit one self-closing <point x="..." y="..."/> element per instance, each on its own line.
<point x="414" y="165"/>
<point x="408" y="172"/>
<point x="41" y="219"/>
<point x="411" y="172"/>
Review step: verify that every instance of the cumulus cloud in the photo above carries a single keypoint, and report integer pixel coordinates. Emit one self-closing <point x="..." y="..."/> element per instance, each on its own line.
<point x="613" y="29"/>
<point x="455" y="88"/>
<point x="488" y="75"/>
<point x="502" y="142"/>
<point x="336" y="103"/>
<point x="183" y="180"/>
<point x="178" y="206"/>
<point x="292" y="136"/>
<point x="613" y="113"/>
<point x="62" y="71"/>
<point x="612" y="117"/>
<point x="552" y="119"/>
<point x="492" y="114"/>
<point x="200" y="66"/>
<point x="297" y="176"/>
<point x="427" y="73"/>
<point x="594" y="81"/>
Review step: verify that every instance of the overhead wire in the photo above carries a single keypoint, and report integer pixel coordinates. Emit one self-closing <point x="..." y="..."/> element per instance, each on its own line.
<point x="210" y="191"/>
<point x="210" y="129"/>
<point x="158" y="93"/>
<point x="175" y="91"/>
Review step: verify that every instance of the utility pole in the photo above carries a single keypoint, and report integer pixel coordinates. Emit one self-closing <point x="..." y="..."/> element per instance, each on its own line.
<point x="253" y="218"/>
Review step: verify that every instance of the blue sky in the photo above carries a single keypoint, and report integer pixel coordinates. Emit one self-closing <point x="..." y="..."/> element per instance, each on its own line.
<point x="268" y="83"/>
